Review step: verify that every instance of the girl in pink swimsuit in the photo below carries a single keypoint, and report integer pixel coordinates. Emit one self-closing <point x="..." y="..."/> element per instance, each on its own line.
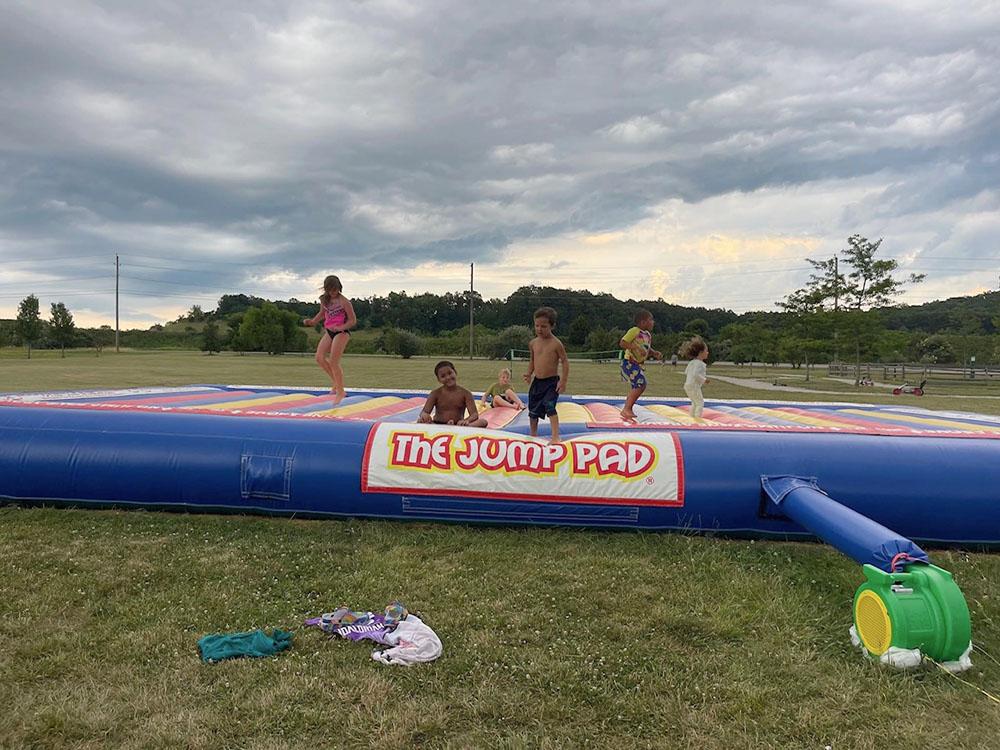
<point x="338" y="318"/>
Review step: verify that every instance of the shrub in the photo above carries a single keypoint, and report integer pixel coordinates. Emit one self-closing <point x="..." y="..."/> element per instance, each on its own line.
<point x="511" y="337"/>
<point x="407" y="344"/>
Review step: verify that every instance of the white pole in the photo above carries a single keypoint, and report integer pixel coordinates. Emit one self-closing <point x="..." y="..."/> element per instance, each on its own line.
<point x="472" y="268"/>
<point x="116" y="303"/>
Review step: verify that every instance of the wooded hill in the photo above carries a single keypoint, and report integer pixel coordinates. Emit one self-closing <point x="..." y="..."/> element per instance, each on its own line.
<point x="949" y="330"/>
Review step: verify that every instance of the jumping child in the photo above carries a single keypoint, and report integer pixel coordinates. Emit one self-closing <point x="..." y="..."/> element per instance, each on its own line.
<point x="338" y="317"/>
<point x="638" y="345"/>
<point x="696" y="373"/>
<point x="448" y="403"/>
<point x="501" y="394"/>
<point x="547" y="352"/>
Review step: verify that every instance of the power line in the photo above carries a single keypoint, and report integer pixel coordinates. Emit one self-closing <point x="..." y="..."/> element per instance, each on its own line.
<point x="39" y="260"/>
<point x="73" y="280"/>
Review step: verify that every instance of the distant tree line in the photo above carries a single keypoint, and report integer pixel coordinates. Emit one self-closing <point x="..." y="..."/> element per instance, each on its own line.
<point x="844" y="312"/>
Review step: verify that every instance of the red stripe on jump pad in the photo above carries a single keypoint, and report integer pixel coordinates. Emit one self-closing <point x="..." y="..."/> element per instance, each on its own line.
<point x="608" y="414"/>
<point x="498" y="417"/>
<point x="860" y="425"/>
<point x="304" y="401"/>
<point x="388" y="410"/>
<point x="184" y="397"/>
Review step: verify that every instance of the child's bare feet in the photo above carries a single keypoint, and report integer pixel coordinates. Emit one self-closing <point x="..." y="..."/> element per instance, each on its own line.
<point x="338" y="396"/>
<point x="628" y="416"/>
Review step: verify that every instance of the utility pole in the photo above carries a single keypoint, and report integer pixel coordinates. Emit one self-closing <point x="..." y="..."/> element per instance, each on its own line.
<point x="116" y="302"/>
<point x="836" y="309"/>
<point x="836" y="283"/>
<point x="472" y="286"/>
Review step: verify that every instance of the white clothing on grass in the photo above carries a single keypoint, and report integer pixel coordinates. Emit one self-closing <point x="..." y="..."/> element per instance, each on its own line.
<point x="412" y="643"/>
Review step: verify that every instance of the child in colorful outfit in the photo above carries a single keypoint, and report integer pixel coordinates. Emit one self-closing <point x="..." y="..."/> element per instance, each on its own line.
<point x="338" y="317"/>
<point x="501" y="394"/>
<point x="696" y="373"/>
<point x="547" y="352"/>
<point x="638" y="345"/>
<point x="449" y="403"/>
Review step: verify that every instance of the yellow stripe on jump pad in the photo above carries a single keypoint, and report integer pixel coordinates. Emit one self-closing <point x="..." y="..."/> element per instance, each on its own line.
<point x="949" y="423"/>
<point x="251" y="403"/>
<point x="763" y="411"/>
<point x="572" y="413"/>
<point x="345" y="411"/>
<point x="809" y="420"/>
<point x="674" y="414"/>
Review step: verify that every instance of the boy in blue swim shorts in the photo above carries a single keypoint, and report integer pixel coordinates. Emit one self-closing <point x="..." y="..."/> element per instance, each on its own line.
<point x="638" y="345"/>
<point x="547" y="353"/>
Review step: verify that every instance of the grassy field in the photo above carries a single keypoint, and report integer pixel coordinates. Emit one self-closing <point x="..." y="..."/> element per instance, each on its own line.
<point x="553" y="638"/>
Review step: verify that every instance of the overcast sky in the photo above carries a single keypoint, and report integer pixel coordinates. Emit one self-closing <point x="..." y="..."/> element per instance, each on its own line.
<point x="645" y="149"/>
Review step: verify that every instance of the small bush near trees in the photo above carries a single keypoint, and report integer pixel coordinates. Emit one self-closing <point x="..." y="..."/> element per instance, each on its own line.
<point x="210" y="338"/>
<point x="511" y="337"/>
<point x="406" y="344"/>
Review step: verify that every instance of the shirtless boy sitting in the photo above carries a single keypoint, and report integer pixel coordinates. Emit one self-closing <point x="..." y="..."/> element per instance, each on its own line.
<point x="547" y="352"/>
<point x="448" y="404"/>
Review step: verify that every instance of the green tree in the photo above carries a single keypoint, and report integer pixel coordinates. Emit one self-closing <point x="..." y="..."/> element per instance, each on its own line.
<point x="600" y="340"/>
<point x="63" y="326"/>
<point x="28" y="325"/>
<point x="102" y="337"/>
<point x="407" y="344"/>
<point x="268" y="329"/>
<point x="936" y="349"/>
<point x="578" y="331"/>
<point x="850" y="285"/>
<point x="511" y="337"/>
<point x="210" y="338"/>
<point x="697" y="327"/>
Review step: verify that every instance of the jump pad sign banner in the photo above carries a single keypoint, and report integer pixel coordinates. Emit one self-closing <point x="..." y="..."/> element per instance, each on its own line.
<point x="607" y="468"/>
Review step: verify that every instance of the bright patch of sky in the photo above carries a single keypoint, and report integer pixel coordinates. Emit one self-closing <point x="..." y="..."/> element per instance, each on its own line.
<point x="694" y="153"/>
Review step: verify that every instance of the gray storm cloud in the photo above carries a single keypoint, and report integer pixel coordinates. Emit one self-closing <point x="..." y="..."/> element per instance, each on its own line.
<point x="267" y="138"/>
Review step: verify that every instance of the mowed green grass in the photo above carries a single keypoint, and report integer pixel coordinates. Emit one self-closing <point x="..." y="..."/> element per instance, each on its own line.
<point x="552" y="637"/>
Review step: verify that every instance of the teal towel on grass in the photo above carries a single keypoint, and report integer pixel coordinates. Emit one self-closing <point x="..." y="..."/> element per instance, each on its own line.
<point x="221" y="646"/>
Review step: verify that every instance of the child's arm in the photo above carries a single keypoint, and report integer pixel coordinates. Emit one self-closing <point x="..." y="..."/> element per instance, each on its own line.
<point x="470" y="407"/>
<point x="561" y="353"/>
<point x="531" y="363"/>
<point x="314" y="319"/>
<point x="428" y="410"/>
<point x="627" y="345"/>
